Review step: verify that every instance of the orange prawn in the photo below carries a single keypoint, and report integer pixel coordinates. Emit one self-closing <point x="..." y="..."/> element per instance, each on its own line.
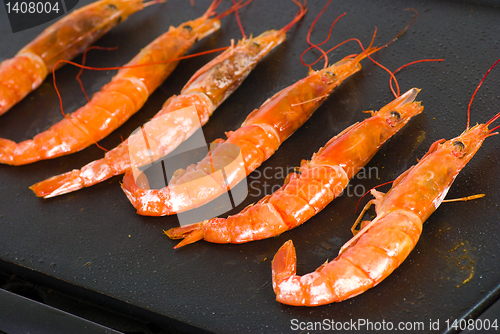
<point x="383" y="243"/>
<point x="206" y="90"/>
<point x="320" y="181"/>
<point x="63" y="40"/>
<point x="257" y="139"/>
<point x="118" y="100"/>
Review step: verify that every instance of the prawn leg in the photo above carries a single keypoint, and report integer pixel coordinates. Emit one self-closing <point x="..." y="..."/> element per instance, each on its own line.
<point x="63" y="40"/>
<point x="205" y="91"/>
<point x="117" y="101"/>
<point x="321" y="180"/>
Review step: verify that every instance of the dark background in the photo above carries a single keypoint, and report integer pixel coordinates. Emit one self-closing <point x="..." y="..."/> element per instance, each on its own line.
<point x="91" y="244"/>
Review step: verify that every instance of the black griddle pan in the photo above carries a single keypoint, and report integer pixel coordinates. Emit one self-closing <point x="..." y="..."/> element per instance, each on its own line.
<point x="92" y="244"/>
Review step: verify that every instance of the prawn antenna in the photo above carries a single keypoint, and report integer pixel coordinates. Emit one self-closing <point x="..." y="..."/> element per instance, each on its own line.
<point x="401" y="33"/>
<point x="474" y="94"/>
<point x="366" y="193"/>
<point x="367" y="52"/>
<point x="84" y="58"/>
<point x="302" y="11"/>
<point x="317" y="46"/>
<point x="400" y="68"/>
<point x="491" y="121"/>
<point x="211" y="9"/>
<point x="464" y="199"/>
<point x="240" y="4"/>
<point x="237" y="14"/>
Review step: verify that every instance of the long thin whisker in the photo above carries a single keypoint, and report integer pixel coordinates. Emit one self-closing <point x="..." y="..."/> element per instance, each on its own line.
<point x="411" y="63"/>
<point x="474" y="94"/>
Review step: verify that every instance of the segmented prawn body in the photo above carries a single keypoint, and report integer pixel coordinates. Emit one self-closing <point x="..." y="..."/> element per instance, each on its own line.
<point x="117" y="101"/>
<point x="257" y="139"/>
<point x="205" y="91"/>
<point x="63" y="40"/>
<point x="321" y="180"/>
<point x="385" y="242"/>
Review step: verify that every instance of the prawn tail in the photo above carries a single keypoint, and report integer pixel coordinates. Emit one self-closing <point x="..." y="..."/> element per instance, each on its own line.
<point x="59" y="184"/>
<point x="284" y="265"/>
<point x="147" y="202"/>
<point x="115" y="162"/>
<point x="190" y="234"/>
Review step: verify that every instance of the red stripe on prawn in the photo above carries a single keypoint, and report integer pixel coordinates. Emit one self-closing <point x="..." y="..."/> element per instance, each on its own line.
<point x="383" y="243"/>
<point x="205" y="91"/>
<point x="258" y="138"/>
<point x="118" y="100"/>
<point x="64" y="39"/>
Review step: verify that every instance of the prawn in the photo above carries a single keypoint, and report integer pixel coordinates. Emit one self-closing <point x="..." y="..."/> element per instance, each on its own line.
<point x="63" y="40"/>
<point x="206" y="90"/>
<point x="257" y="139"/>
<point x="118" y="100"/>
<point x="383" y="243"/>
<point x="320" y="181"/>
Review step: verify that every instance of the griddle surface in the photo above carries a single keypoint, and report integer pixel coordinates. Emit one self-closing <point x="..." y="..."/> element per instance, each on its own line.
<point x="93" y="242"/>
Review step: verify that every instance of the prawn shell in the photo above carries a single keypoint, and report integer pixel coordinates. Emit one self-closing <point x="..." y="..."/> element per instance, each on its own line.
<point x="109" y="109"/>
<point x="260" y="134"/>
<point x="203" y="105"/>
<point x="255" y="227"/>
<point x="63" y="40"/>
<point x="346" y="279"/>
<point x="375" y="262"/>
<point x="72" y="34"/>
<point x="323" y="184"/>
<point x="292" y="208"/>
<point x="256" y="145"/>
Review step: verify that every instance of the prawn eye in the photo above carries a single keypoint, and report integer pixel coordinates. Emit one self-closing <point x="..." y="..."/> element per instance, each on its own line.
<point x="329" y="76"/>
<point x="394" y="118"/>
<point x="459" y="146"/>
<point x="255" y="44"/>
<point x="188" y="28"/>
<point x="112" y="7"/>
<point x="395" y="115"/>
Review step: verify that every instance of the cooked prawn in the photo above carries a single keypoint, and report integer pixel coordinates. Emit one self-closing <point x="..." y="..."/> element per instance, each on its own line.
<point x="258" y="138"/>
<point x="320" y="181"/>
<point x="117" y="101"/>
<point x="206" y="90"/>
<point x="384" y="243"/>
<point x="63" y="40"/>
